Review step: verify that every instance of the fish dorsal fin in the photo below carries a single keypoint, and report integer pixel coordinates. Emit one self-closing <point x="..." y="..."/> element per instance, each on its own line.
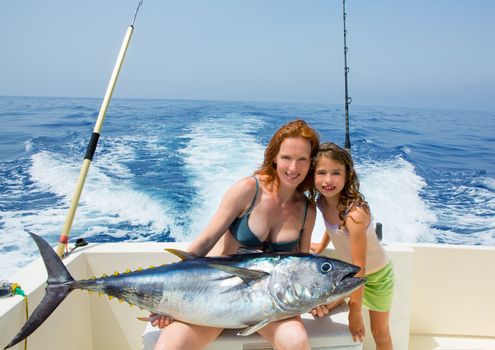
<point x="251" y="329"/>
<point x="182" y="254"/>
<point x="246" y="275"/>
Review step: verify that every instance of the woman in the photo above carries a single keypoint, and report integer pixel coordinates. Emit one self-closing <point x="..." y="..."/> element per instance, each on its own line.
<point x="267" y="212"/>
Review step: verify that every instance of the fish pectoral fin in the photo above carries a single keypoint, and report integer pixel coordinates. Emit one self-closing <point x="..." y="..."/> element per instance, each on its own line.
<point x="247" y="275"/>
<point x="251" y="329"/>
<point x="182" y="254"/>
<point x="152" y="317"/>
<point x="145" y="319"/>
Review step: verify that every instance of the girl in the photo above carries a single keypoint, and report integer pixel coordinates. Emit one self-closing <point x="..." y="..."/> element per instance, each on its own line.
<point x="349" y="226"/>
<point x="267" y="212"/>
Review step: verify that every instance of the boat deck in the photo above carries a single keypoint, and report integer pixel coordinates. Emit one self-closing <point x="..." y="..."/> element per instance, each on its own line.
<point x="443" y="299"/>
<point x="440" y="342"/>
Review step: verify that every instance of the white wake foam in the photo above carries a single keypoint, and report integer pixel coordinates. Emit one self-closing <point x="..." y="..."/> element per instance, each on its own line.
<point x="217" y="155"/>
<point x="473" y="223"/>
<point x="104" y="200"/>
<point x="108" y="205"/>
<point x="392" y="189"/>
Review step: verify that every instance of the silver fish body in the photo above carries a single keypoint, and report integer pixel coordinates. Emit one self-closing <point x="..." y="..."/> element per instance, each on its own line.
<point x="244" y="291"/>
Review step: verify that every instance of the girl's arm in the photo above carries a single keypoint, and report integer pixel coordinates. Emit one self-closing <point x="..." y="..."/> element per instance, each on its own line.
<point x="305" y="242"/>
<point x="236" y="200"/>
<point x="317" y="248"/>
<point x="356" y="223"/>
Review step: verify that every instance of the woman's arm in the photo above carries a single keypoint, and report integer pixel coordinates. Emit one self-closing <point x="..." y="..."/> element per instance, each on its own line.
<point x="305" y="242"/>
<point x="235" y="201"/>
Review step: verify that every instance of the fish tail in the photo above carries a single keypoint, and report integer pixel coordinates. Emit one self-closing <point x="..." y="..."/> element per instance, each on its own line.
<point x="59" y="286"/>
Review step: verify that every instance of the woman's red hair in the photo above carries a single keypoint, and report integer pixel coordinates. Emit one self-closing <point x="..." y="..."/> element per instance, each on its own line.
<point x="295" y="128"/>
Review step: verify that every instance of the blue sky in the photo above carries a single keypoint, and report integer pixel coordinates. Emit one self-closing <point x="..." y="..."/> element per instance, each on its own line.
<point x="438" y="54"/>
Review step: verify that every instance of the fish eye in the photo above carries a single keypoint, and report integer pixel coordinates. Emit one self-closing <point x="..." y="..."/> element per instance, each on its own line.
<point x="325" y="267"/>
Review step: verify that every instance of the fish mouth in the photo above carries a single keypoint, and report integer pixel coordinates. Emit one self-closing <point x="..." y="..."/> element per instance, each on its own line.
<point x="349" y="272"/>
<point x="348" y="283"/>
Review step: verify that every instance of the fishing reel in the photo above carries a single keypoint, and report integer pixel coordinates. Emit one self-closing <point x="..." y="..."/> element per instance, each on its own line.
<point x="8" y="289"/>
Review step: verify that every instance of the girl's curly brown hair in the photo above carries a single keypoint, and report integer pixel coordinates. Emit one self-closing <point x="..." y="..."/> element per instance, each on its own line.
<point x="350" y="197"/>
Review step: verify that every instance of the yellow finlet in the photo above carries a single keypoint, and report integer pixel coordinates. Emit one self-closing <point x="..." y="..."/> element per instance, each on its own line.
<point x="181" y="254"/>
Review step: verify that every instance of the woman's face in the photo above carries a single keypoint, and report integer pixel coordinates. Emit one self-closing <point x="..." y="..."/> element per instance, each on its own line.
<point x="293" y="161"/>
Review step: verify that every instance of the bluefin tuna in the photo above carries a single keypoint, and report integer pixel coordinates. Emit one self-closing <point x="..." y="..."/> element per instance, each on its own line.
<point x="243" y="291"/>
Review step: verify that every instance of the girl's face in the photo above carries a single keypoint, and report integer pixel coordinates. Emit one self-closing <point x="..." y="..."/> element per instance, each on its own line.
<point x="293" y="161"/>
<point x="330" y="177"/>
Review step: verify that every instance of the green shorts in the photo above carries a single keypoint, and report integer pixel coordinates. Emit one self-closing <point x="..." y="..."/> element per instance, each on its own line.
<point x="379" y="289"/>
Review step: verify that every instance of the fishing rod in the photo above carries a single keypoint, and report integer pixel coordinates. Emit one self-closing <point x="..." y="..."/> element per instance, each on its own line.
<point x="90" y="151"/>
<point x="348" y="100"/>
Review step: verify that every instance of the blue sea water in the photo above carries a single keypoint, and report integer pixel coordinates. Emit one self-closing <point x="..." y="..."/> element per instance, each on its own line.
<point x="161" y="167"/>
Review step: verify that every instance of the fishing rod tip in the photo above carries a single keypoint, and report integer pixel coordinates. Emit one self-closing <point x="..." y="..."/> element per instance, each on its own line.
<point x="135" y="13"/>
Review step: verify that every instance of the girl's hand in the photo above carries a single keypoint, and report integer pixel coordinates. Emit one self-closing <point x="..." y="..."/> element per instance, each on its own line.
<point x="356" y="325"/>
<point x="315" y="248"/>
<point x="324" y="310"/>
<point x="320" y="311"/>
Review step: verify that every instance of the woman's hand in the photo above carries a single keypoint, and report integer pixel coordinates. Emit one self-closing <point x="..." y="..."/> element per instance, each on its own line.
<point x="160" y="321"/>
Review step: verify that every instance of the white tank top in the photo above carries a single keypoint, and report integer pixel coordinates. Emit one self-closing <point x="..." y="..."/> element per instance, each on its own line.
<point x="376" y="257"/>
